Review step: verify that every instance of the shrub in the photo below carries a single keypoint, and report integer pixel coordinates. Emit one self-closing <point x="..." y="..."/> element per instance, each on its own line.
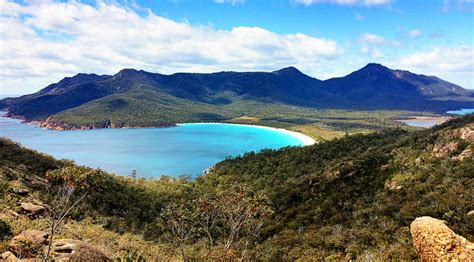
<point x="5" y="230"/>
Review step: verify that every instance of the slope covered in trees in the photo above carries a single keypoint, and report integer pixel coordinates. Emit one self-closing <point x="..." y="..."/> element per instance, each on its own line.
<point x="139" y="98"/>
<point x="350" y="198"/>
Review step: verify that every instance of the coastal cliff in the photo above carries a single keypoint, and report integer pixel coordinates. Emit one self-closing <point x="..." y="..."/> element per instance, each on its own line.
<point x="61" y="126"/>
<point x="53" y="124"/>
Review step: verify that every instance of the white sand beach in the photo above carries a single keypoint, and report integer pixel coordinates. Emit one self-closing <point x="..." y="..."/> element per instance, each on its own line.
<point x="306" y="140"/>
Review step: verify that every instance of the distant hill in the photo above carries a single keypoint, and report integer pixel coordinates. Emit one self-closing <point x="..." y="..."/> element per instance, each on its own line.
<point x="140" y="98"/>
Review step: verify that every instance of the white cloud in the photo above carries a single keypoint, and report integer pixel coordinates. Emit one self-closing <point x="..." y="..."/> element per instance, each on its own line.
<point x="371" y="39"/>
<point x="43" y="42"/>
<point x="451" y="63"/>
<point x="346" y="2"/>
<point x="359" y="17"/>
<point x="415" y="33"/>
<point x="232" y="2"/>
<point x="369" y="42"/>
<point x="376" y="54"/>
<point x="458" y="5"/>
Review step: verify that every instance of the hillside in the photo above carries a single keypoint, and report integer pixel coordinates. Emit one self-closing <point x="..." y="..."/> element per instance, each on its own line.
<point x="139" y="98"/>
<point x="354" y="197"/>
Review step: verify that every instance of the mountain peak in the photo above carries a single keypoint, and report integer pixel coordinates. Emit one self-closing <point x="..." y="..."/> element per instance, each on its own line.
<point x="374" y="66"/>
<point x="127" y="72"/>
<point x="287" y="70"/>
<point x="372" y="71"/>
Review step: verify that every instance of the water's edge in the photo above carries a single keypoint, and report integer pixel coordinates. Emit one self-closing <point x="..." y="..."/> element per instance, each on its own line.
<point x="306" y="140"/>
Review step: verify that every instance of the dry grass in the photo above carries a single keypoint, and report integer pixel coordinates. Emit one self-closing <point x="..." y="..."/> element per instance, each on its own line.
<point x="244" y="120"/>
<point x="115" y="245"/>
<point x="317" y="132"/>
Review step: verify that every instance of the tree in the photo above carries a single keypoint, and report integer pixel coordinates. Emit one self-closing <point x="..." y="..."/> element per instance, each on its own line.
<point x="179" y="222"/>
<point x="72" y="189"/>
<point x="242" y="212"/>
<point x="207" y="216"/>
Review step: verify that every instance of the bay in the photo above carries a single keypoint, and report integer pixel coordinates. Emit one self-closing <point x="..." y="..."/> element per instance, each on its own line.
<point x="463" y="111"/>
<point x="186" y="149"/>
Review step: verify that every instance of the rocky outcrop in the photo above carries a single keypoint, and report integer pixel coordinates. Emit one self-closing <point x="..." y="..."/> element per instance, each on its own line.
<point x="20" y="191"/>
<point x="28" y="243"/>
<point x="8" y="256"/>
<point x="466" y="154"/>
<point x="470" y="213"/>
<point x="467" y="133"/>
<point x="54" y="124"/>
<point x="434" y="241"/>
<point x="446" y="149"/>
<point x="70" y="249"/>
<point x="32" y="210"/>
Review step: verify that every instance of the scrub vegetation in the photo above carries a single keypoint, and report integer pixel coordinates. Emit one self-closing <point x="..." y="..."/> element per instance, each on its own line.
<point x="353" y="197"/>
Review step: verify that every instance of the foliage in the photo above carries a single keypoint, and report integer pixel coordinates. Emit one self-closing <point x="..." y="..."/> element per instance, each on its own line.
<point x="138" y="98"/>
<point x="179" y="222"/>
<point x="5" y="230"/>
<point x="351" y="198"/>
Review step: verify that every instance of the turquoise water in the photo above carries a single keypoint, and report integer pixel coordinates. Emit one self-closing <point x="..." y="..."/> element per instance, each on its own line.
<point x="463" y="111"/>
<point x="185" y="149"/>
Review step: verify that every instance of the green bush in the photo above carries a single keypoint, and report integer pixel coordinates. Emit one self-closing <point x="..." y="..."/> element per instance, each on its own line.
<point x="5" y="230"/>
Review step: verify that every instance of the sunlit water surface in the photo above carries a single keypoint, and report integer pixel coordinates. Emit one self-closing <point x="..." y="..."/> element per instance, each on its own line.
<point x="185" y="149"/>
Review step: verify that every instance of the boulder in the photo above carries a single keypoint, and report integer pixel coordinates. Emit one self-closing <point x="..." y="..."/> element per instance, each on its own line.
<point x="20" y="191"/>
<point x="466" y="154"/>
<point x="33" y="210"/>
<point x="8" y="256"/>
<point x="76" y="250"/>
<point x="445" y="149"/>
<point x="467" y="133"/>
<point x="28" y="243"/>
<point x="435" y="241"/>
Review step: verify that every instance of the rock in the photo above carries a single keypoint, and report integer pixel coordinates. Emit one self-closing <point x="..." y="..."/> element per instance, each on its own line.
<point x="28" y="243"/>
<point x="76" y="250"/>
<point x="467" y="133"/>
<point x="33" y="210"/>
<point x="445" y="150"/>
<point x="392" y="185"/>
<point x="20" y="191"/>
<point x="470" y="213"/>
<point x="466" y="154"/>
<point x="8" y="256"/>
<point x="13" y="213"/>
<point x="435" y="241"/>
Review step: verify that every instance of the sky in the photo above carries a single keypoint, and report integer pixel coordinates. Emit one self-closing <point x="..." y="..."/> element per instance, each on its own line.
<point x="43" y="41"/>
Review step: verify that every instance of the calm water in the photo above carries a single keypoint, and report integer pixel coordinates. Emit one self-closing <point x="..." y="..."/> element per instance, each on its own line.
<point x="463" y="111"/>
<point x="418" y="123"/>
<point x="186" y="149"/>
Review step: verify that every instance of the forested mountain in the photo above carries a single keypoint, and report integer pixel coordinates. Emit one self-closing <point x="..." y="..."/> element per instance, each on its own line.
<point x="352" y="198"/>
<point x="139" y="98"/>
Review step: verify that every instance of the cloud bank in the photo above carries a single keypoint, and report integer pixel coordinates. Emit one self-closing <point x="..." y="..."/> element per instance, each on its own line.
<point x="45" y="41"/>
<point x="346" y="2"/>
<point x="449" y="63"/>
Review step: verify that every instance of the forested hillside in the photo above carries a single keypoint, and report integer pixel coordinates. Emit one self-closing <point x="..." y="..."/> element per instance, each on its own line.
<point x="349" y="198"/>
<point x="138" y="98"/>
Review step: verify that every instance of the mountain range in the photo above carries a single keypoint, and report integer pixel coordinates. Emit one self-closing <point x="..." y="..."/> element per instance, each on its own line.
<point x="139" y="98"/>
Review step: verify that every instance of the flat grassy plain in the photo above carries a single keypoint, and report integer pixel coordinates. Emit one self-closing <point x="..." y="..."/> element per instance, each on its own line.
<point x="324" y="125"/>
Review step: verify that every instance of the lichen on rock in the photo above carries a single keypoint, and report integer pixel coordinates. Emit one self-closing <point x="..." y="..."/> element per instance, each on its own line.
<point x="435" y="241"/>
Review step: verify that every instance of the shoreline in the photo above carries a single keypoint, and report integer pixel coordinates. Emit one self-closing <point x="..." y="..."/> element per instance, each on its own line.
<point x="434" y="120"/>
<point x="306" y="140"/>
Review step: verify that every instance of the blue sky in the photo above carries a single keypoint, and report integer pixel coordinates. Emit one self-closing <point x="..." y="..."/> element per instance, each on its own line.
<point x="43" y="41"/>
